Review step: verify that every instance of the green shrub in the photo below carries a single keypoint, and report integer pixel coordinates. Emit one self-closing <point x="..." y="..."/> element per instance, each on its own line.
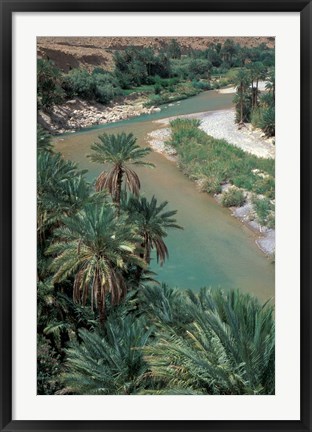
<point x="166" y="82"/>
<point x="264" y="118"/>
<point x="157" y="88"/>
<point x="224" y="82"/>
<point x="210" y="184"/>
<point x="184" y="124"/>
<point x="191" y="68"/>
<point x="104" y="93"/>
<point x="80" y="83"/>
<point x="244" y="181"/>
<point x="267" y="122"/>
<point x="202" y="85"/>
<point x="265" y="211"/>
<point x="256" y="118"/>
<point x="265" y="186"/>
<point x="216" y="85"/>
<point x="233" y="198"/>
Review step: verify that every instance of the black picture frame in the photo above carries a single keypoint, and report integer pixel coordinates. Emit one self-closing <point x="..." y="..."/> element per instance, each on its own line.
<point x="7" y="10"/>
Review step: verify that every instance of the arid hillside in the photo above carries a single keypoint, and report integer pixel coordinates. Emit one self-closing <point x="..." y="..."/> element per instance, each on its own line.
<point x="88" y="52"/>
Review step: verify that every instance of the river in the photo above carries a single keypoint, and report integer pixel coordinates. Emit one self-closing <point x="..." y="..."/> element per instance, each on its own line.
<point x="214" y="249"/>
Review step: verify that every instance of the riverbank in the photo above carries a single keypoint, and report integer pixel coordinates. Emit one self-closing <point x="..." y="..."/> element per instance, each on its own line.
<point x="232" y="90"/>
<point x="76" y="114"/>
<point x="220" y="124"/>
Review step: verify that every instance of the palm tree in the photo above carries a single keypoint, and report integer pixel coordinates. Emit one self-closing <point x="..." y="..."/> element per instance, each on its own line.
<point x="62" y="190"/>
<point x="119" y="151"/>
<point x="270" y="85"/>
<point x="95" y="248"/>
<point x="108" y="364"/>
<point x="227" y="347"/>
<point x="52" y="315"/>
<point x="258" y="72"/>
<point x="152" y="223"/>
<point x="53" y="176"/>
<point x="58" y="316"/>
<point x="167" y="306"/>
<point x="242" y="80"/>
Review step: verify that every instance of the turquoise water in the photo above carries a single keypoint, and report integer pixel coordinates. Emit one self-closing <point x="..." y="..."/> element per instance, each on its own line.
<point x="205" y="101"/>
<point x="214" y="249"/>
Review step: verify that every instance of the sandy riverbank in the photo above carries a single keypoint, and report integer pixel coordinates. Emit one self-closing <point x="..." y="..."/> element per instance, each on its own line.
<point x="220" y="124"/>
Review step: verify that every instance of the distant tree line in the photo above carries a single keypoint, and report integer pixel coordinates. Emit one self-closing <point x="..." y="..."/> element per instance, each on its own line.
<point x="136" y="66"/>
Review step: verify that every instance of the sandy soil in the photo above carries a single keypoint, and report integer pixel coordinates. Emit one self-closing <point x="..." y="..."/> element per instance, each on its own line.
<point x="220" y="124"/>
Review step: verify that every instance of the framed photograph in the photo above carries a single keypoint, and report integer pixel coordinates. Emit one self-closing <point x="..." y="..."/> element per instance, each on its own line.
<point x="155" y="215"/>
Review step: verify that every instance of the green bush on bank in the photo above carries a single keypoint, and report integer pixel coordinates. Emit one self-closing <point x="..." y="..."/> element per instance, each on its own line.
<point x="202" y="85"/>
<point x="100" y="86"/>
<point x="171" y="94"/>
<point x="204" y="157"/>
<point x="233" y="198"/>
<point x="265" y="211"/>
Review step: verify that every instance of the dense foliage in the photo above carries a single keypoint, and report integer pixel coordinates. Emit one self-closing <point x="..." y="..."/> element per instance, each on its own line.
<point x="104" y="326"/>
<point x="49" y="84"/>
<point x="251" y="105"/>
<point x="177" y="342"/>
<point x="168" y="74"/>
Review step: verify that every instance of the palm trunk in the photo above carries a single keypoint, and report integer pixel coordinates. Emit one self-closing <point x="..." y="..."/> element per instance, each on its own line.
<point x="118" y="190"/>
<point x="139" y="269"/>
<point x="252" y="95"/>
<point x="145" y="255"/>
<point x="100" y="300"/>
<point x="64" y="339"/>
<point x="241" y="106"/>
<point x="138" y="274"/>
<point x="101" y="308"/>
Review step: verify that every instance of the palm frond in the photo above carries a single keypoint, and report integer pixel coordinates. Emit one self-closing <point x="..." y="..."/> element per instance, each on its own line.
<point x="111" y="363"/>
<point x="226" y="347"/>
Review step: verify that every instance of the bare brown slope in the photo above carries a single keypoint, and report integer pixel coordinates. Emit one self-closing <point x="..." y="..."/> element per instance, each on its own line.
<point x="88" y="52"/>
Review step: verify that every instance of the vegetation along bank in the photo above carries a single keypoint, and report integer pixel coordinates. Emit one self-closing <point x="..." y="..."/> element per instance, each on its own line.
<point x="105" y="325"/>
